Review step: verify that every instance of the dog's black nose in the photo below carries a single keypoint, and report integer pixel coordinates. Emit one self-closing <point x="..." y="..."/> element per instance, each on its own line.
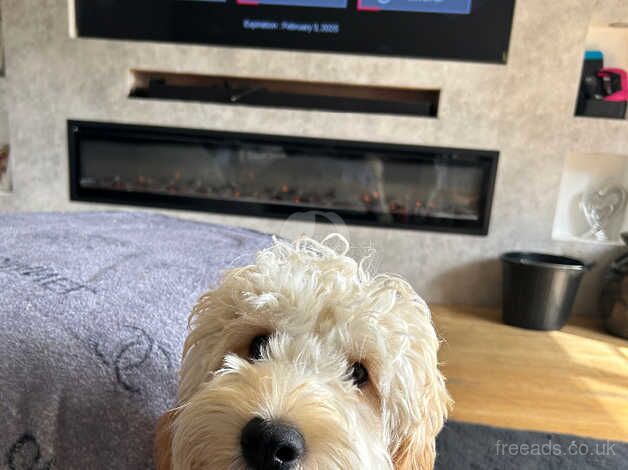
<point x="271" y="445"/>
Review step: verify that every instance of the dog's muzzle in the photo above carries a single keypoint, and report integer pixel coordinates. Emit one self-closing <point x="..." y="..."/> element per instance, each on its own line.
<point x="271" y="445"/>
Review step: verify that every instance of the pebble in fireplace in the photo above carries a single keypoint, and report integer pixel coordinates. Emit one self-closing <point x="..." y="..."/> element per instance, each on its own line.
<point x="376" y="184"/>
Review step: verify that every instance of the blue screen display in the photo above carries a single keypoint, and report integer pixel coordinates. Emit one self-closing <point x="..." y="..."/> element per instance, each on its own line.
<point x="300" y="3"/>
<point x="458" y="7"/>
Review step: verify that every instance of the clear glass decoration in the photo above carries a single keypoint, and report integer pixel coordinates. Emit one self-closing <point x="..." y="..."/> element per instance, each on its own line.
<point x="602" y="206"/>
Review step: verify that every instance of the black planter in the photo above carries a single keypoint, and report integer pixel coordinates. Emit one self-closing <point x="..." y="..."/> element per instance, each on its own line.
<point x="539" y="289"/>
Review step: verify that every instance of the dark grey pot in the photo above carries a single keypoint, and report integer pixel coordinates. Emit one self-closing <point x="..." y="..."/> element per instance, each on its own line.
<point x="539" y="289"/>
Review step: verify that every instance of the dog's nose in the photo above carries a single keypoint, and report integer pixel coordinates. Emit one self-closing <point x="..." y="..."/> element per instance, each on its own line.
<point x="271" y="445"/>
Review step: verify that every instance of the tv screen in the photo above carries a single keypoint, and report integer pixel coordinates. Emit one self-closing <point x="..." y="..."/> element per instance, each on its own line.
<point x="474" y="30"/>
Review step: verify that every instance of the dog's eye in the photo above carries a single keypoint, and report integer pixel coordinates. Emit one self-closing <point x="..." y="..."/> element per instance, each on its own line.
<point x="258" y="343"/>
<point x="359" y="374"/>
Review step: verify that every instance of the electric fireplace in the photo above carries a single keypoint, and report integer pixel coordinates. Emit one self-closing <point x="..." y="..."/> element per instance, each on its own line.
<point x="384" y="185"/>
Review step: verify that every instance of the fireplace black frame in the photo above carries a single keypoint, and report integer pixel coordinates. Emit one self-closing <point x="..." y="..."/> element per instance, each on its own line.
<point x="78" y="129"/>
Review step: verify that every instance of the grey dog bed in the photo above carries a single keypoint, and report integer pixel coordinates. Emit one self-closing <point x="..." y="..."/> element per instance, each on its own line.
<point x="92" y="319"/>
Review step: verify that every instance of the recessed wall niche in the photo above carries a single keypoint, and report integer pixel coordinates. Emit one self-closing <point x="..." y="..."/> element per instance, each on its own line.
<point x="592" y="192"/>
<point x="607" y="46"/>
<point x="262" y="92"/>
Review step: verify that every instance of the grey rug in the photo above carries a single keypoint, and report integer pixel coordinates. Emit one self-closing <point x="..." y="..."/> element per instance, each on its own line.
<point x="470" y="446"/>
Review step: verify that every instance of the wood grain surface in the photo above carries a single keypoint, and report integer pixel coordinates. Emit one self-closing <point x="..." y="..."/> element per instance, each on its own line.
<point x="572" y="381"/>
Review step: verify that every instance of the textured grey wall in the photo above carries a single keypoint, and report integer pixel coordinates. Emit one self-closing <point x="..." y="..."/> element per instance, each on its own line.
<point x="524" y="110"/>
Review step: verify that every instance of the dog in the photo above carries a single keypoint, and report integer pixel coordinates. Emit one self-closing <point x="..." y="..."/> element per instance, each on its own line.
<point x="305" y="361"/>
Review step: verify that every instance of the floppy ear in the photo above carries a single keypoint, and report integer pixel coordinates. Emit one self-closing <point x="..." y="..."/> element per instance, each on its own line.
<point x="204" y="348"/>
<point x="413" y="455"/>
<point x="423" y="390"/>
<point x="163" y="442"/>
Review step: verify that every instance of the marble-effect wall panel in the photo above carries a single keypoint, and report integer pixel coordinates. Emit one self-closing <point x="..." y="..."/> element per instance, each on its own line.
<point x="523" y="109"/>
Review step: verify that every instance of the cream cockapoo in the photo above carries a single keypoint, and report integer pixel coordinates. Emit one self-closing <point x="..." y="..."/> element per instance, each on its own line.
<point x="305" y="361"/>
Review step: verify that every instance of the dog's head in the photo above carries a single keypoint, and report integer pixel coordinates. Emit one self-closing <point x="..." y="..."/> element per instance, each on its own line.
<point x="305" y="361"/>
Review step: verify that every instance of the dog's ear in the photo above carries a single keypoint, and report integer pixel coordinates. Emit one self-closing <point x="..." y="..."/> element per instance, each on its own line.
<point x="204" y="348"/>
<point x="423" y="392"/>
<point x="163" y="442"/>
<point x="414" y="454"/>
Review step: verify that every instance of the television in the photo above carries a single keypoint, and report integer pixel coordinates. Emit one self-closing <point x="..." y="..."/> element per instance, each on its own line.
<point x="469" y="30"/>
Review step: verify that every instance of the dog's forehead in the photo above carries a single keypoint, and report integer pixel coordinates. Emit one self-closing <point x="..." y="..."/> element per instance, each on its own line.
<point x="329" y="298"/>
<point x="298" y="306"/>
<point x="336" y="322"/>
